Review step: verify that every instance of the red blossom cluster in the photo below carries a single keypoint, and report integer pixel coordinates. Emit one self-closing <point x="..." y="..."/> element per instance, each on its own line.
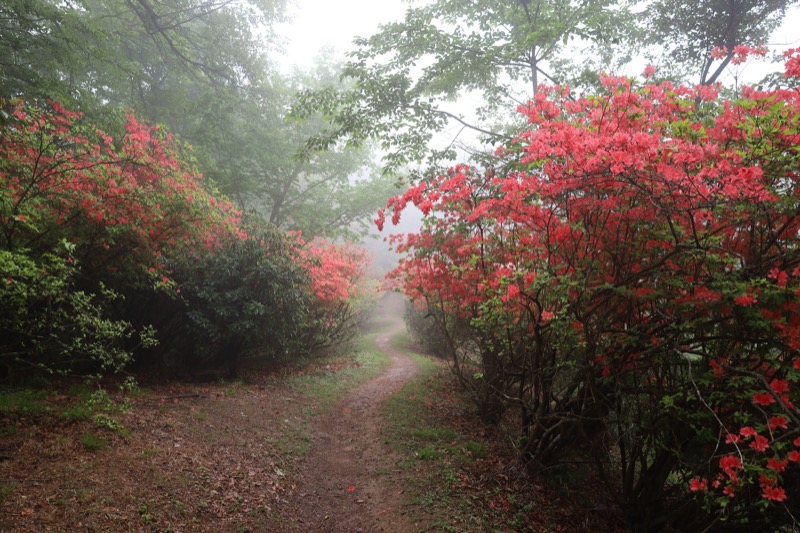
<point x="652" y="231"/>
<point x="121" y="203"/>
<point x="335" y="269"/>
<point x="740" y="54"/>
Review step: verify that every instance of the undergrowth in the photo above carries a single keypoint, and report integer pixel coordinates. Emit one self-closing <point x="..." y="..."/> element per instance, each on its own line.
<point x="458" y="470"/>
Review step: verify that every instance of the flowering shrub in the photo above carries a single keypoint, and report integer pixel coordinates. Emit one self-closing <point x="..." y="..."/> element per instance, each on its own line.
<point x="148" y="241"/>
<point x="109" y="212"/>
<point x="632" y="281"/>
<point x="121" y="204"/>
<point x="336" y="271"/>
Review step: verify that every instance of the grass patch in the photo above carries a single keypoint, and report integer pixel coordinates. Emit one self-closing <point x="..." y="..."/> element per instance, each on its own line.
<point x="81" y="392"/>
<point x="93" y="442"/>
<point x="328" y="388"/>
<point x="403" y="340"/>
<point x="23" y="402"/>
<point x="445" y="463"/>
<point x="323" y="385"/>
<point x="78" y="413"/>
<point x="429" y="451"/>
<point x="479" y="450"/>
<point x="565" y="478"/>
<point x="433" y="434"/>
<point x="6" y="490"/>
<point x="79" y="403"/>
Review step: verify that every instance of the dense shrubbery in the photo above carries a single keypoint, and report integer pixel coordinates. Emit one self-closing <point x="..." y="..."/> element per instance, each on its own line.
<point x="248" y="296"/>
<point x="101" y="239"/>
<point x="632" y="283"/>
<point x="46" y="324"/>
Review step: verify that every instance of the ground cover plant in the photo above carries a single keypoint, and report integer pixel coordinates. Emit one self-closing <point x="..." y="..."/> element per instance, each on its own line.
<point x="629" y="274"/>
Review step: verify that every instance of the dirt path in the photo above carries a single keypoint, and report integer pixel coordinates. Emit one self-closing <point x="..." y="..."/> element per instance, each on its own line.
<point x="208" y="458"/>
<point x="350" y="480"/>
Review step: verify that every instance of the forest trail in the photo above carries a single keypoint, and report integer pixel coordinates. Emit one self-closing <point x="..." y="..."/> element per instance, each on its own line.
<point x="350" y="482"/>
<point x="210" y="457"/>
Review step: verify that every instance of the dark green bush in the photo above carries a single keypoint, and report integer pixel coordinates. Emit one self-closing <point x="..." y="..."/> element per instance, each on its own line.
<point x="47" y="325"/>
<point x="248" y="298"/>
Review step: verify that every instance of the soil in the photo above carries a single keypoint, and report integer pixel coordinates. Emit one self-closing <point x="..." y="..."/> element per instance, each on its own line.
<point x="205" y="458"/>
<point x="351" y="481"/>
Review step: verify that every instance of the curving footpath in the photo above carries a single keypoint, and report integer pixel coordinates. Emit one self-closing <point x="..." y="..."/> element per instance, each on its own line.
<point x="351" y="482"/>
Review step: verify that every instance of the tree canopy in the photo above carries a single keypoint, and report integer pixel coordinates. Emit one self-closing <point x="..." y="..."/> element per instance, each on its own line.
<point x="466" y="66"/>
<point x="204" y="70"/>
<point x="689" y="32"/>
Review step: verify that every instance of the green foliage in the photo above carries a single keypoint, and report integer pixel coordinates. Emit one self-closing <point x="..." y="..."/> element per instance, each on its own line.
<point x="405" y="76"/>
<point x="93" y="441"/>
<point x="248" y="298"/>
<point x="48" y="325"/>
<point x="253" y="155"/>
<point x="104" y="410"/>
<point x="88" y="52"/>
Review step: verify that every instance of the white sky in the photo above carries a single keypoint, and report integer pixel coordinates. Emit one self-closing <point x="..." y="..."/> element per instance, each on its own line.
<point x="319" y="23"/>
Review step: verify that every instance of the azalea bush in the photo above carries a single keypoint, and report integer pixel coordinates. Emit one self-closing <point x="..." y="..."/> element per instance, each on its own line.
<point x="122" y="202"/>
<point x="83" y="219"/>
<point x="337" y="290"/>
<point x="631" y="278"/>
<point x="103" y="238"/>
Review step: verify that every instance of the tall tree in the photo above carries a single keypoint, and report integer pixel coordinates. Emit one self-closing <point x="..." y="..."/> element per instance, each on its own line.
<point x="406" y="76"/>
<point x="202" y="69"/>
<point x="124" y="51"/>
<point x="688" y="31"/>
<point x="321" y="192"/>
<point x="252" y="154"/>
